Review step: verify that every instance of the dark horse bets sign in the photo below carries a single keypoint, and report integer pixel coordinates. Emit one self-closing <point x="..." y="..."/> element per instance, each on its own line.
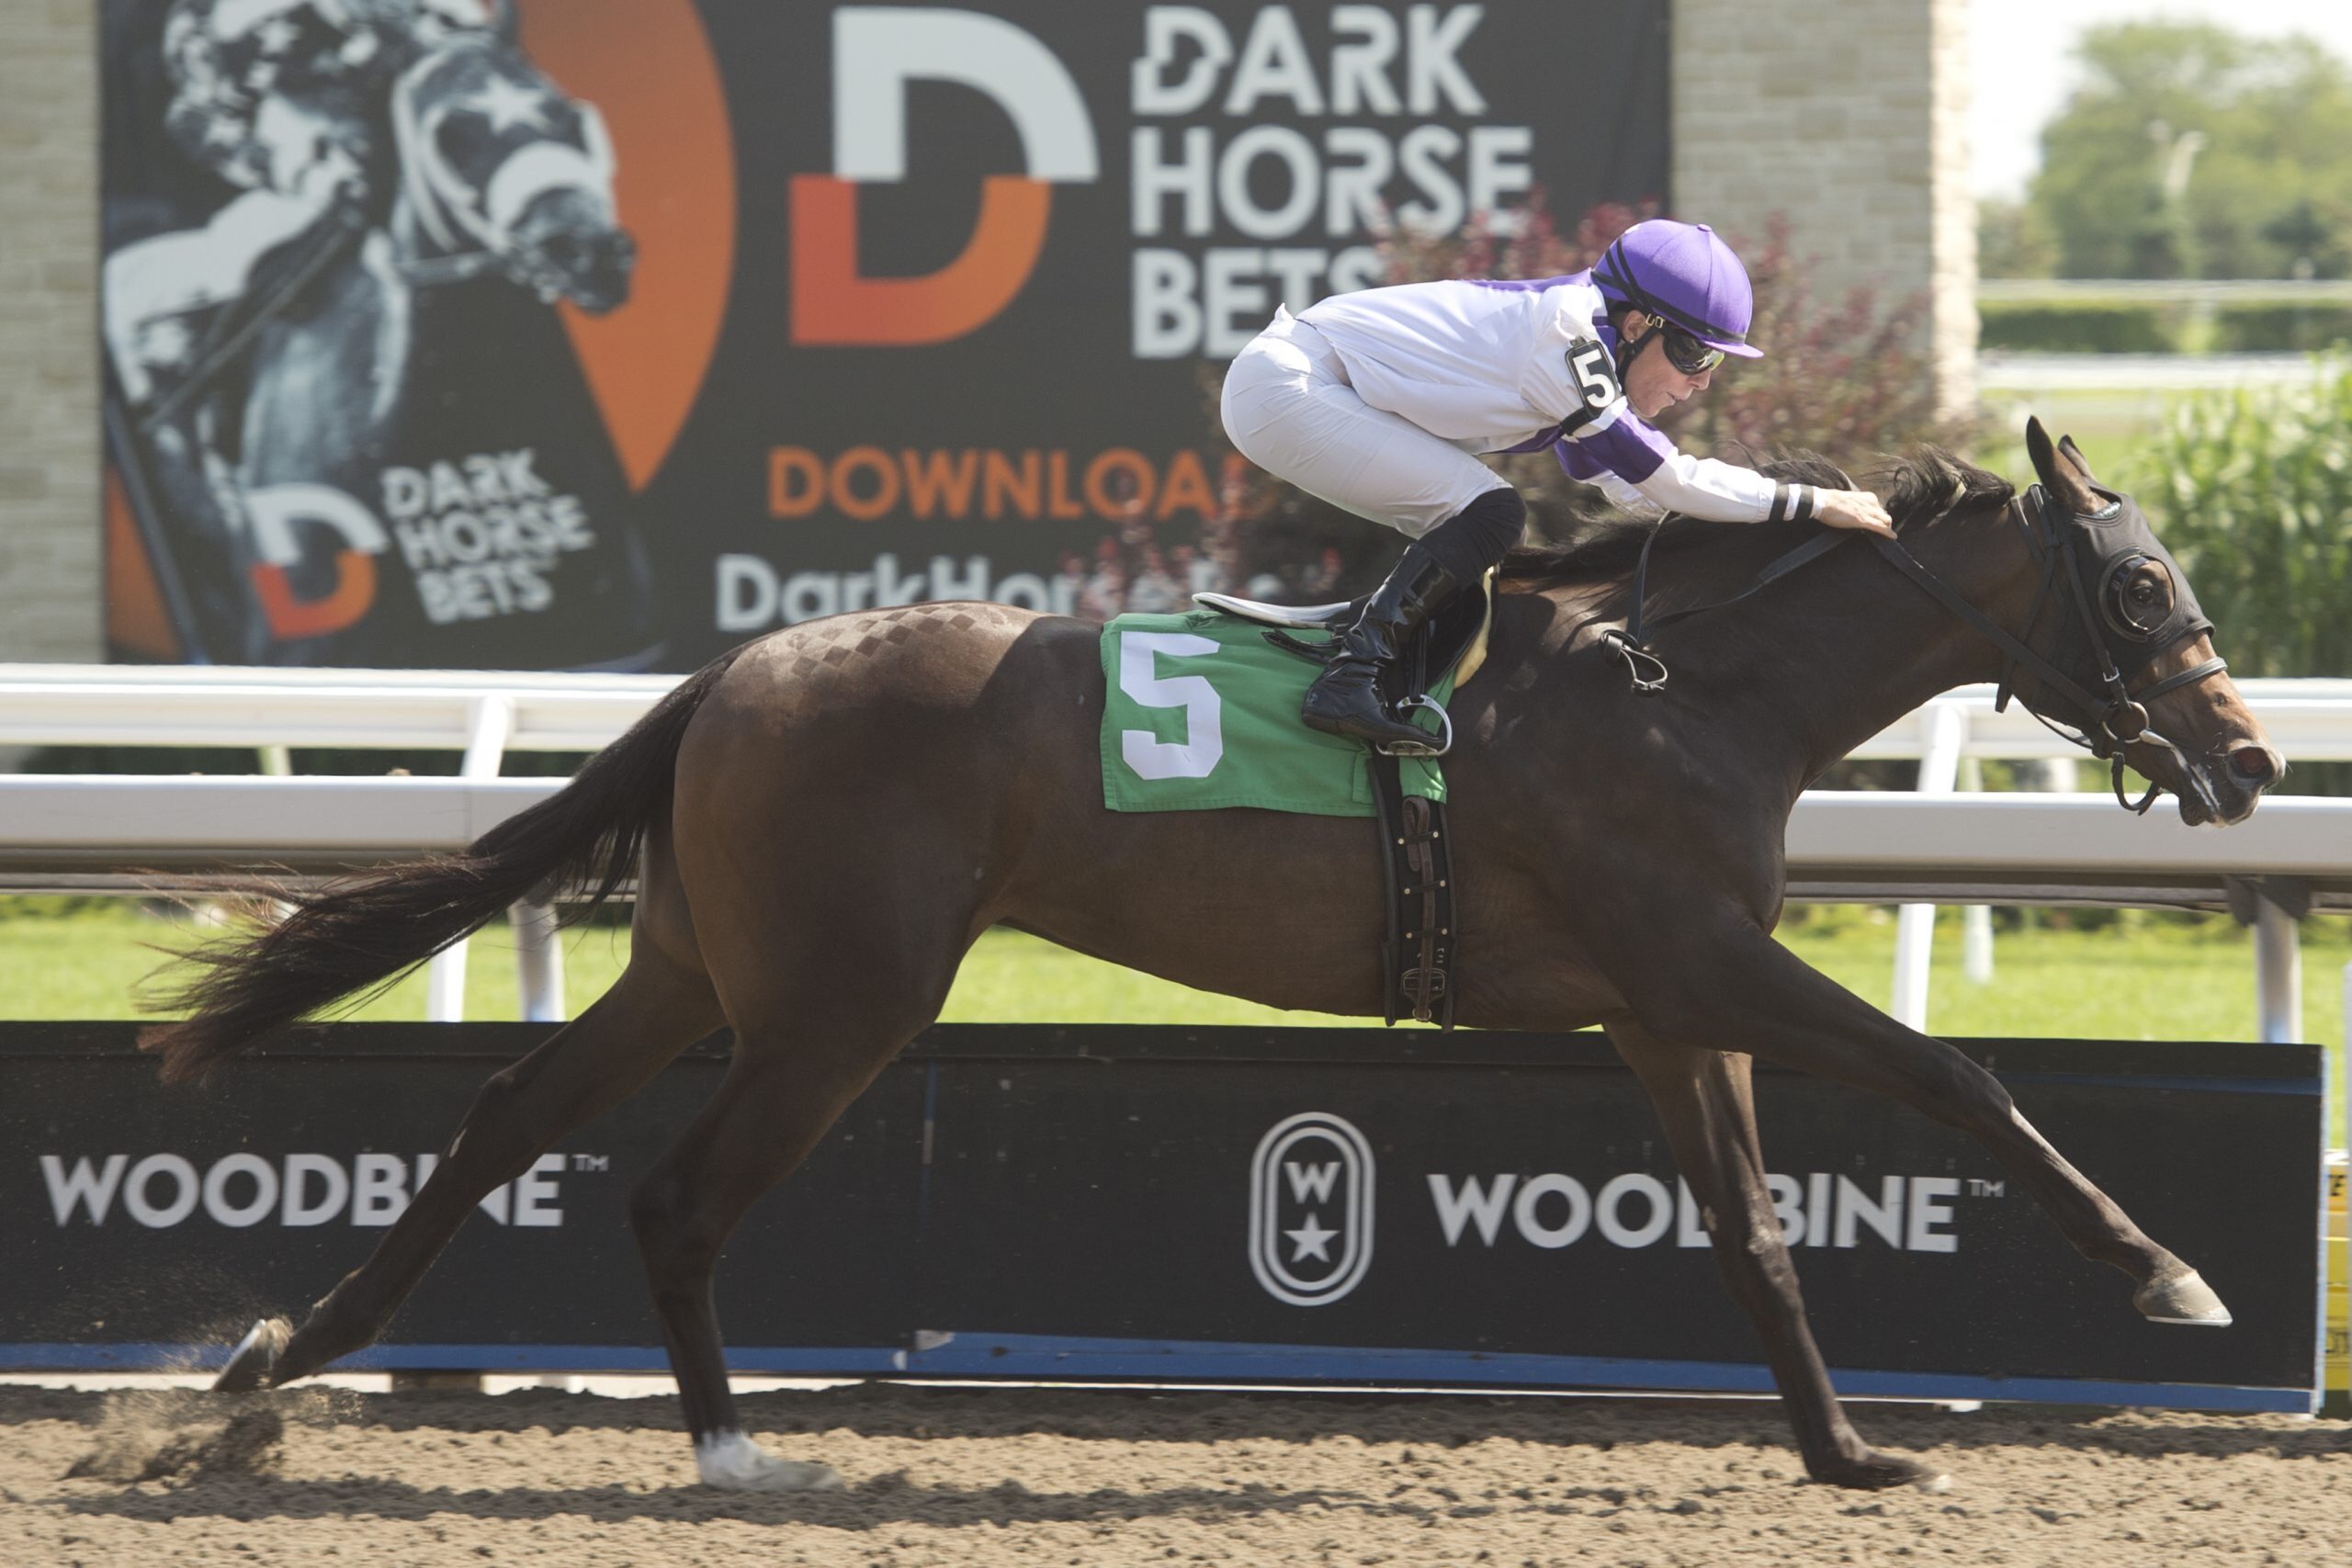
<point x="562" y="334"/>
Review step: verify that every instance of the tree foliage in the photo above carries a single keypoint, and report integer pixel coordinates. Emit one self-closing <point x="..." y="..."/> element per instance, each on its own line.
<point x="2192" y="151"/>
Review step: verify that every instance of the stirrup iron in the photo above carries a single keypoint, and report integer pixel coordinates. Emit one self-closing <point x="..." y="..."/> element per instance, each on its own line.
<point x="1437" y="746"/>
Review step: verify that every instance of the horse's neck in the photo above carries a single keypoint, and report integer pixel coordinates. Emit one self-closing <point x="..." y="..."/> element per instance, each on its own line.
<point x="1825" y="659"/>
<point x="1868" y="645"/>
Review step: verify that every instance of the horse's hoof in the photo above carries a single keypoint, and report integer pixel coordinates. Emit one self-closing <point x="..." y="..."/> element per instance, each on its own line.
<point x="2183" y="1298"/>
<point x="1877" y="1473"/>
<point x="251" y="1362"/>
<point x="732" y="1463"/>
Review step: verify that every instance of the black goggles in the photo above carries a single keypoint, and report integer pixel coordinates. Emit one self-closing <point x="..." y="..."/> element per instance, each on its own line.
<point x="1686" y="353"/>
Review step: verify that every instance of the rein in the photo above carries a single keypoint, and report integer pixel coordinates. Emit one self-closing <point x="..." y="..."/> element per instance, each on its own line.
<point x="324" y="245"/>
<point x="1632" y="643"/>
<point x="2112" y="723"/>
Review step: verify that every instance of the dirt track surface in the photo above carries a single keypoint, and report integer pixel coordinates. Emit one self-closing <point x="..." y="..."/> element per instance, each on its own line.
<point x="976" y="1478"/>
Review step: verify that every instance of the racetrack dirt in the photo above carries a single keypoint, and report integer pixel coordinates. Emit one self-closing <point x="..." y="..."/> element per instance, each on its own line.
<point x="974" y="1478"/>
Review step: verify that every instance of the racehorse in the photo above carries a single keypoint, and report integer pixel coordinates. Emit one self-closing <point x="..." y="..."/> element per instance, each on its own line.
<point x="822" y="821"/>
<point x="495" y="178"/>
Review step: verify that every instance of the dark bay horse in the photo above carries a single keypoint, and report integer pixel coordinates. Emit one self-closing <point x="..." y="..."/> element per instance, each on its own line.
<point x="823" y="821"/>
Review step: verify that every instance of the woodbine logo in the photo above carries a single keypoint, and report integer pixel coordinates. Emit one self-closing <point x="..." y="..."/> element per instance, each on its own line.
<point x="1633" y="1210"/>
<point x="1311" y="1210"/>
<point x="240" y="1190"/>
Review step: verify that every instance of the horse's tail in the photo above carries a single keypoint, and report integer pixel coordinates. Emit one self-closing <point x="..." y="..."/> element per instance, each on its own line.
<point x="369" y="930"/>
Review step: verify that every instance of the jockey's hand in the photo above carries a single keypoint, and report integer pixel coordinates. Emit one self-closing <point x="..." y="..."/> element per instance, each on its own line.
<point x="1854" y="509"/>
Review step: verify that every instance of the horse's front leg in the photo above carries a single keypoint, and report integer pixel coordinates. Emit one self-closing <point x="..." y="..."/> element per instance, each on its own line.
<point x="1708" y="1108"/>
<point x="1762" y="999"/>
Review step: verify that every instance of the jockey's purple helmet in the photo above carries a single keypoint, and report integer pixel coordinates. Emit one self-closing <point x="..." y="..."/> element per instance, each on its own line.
<point x="1684" y="273"/>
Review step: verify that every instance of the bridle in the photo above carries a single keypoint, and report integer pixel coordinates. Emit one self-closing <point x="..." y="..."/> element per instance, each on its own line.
<point x="2112" y="719"/>
<point x="474" y="229"/>
<point x="2117" y="716"/>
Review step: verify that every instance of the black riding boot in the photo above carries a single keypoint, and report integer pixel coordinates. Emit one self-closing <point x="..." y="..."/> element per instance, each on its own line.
<point x="1345" y="698"/>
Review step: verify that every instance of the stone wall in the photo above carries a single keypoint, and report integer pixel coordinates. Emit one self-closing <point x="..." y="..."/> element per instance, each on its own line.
<point x="1849" y="116"/>
<point x="51" y="564"/>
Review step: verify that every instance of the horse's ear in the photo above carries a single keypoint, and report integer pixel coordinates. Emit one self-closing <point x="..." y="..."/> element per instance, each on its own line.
<point x="2074" y="453"/>
<point x="2061" y="477"/>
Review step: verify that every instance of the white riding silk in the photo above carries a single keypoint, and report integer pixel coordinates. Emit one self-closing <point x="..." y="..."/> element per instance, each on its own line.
<point x="1379" y="401"/>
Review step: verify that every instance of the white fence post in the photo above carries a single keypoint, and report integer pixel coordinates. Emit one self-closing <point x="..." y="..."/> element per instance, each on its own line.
<point x="1976" y="920"/>
<point x="492" y="719"/>
<point x="539" y="960"/>
<point x="1946" y="728"/>
<point x="2279" y="972"/>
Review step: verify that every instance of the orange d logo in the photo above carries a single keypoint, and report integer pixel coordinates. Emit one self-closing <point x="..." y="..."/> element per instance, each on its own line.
<point x="876" y="52"/>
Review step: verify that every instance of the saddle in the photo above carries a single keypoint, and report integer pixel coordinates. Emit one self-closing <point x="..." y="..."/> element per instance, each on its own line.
<point x="1453" y="642"/>
<point x="1417" y="954"/>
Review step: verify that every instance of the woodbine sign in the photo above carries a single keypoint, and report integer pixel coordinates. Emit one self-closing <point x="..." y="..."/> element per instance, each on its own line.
<point x="1475" y="1209"/>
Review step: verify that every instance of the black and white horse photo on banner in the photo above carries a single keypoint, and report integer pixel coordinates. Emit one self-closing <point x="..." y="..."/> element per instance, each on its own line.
<point x="304" y="372"/>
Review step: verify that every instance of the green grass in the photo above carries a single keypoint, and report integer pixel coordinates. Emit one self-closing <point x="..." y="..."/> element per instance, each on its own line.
<point x="2140" y="976"/>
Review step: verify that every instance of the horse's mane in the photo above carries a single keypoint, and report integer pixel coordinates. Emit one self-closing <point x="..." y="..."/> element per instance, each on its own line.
<point x="1926" y="484"/>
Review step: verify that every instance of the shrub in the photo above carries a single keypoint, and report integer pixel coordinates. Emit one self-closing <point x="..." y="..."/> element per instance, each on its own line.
<point x="2252" y="490"/>
<point x="2121" y="326"/>
<point x="2269" y="329"/>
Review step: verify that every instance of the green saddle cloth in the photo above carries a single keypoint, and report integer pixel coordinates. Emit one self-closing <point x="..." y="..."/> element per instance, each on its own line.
<point x="1203" y="714"/>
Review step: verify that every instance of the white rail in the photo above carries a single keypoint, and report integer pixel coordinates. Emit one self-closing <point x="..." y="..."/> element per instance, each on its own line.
<point x="98" y="705"/>
<point x="62" y="831"/>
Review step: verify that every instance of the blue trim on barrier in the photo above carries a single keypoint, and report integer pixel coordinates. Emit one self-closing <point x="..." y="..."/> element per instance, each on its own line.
<point x="1042" y="1356"/>
<point x="2191" y="1084"/>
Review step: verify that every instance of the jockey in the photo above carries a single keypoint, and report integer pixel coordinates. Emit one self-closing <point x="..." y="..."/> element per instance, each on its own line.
<point x="1380" y="402"/>
<point x="283" y="99"/>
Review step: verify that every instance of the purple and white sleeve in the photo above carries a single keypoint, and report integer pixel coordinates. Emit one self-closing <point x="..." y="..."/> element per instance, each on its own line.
<point x="1638" y="467"/>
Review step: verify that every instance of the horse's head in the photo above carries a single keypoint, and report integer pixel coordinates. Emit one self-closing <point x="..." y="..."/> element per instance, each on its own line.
<point x="566" y="243"/>
<point x="2129" y="655"/>
<point x="497" y="161"/>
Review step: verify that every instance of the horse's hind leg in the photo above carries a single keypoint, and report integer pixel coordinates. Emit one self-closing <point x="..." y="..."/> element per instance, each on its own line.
<point x="809" y="1036"/>
<point x="655" y="1010"/>
<point x="1706" y="1100"/>
<point x="784" y="1090"/>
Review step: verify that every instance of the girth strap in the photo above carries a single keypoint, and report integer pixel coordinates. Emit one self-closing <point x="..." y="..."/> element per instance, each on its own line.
<point x="1417" y="958"/>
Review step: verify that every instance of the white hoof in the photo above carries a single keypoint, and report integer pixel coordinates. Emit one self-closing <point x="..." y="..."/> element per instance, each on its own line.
<point x="732" y="1463"/>
<point x="255" y="1355"/>
<point x="2183" y="1298"/>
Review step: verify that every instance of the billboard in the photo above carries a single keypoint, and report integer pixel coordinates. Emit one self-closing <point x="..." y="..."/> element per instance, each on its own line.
<point x="609" y="333"/>
<point x="1290" y="1204"/>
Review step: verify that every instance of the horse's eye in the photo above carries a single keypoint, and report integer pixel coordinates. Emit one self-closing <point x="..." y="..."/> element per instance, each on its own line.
<point x="2145" y="591"/>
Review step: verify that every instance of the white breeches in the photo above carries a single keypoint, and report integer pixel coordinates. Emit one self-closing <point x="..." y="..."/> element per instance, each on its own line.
<point x="1289" y="407"/>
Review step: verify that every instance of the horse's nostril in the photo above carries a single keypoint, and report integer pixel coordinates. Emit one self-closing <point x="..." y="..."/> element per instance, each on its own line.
<point x="2254" y="764"/>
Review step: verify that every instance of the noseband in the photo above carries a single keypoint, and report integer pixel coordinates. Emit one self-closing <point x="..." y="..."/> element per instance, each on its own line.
<point x="2111" y="720"/>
